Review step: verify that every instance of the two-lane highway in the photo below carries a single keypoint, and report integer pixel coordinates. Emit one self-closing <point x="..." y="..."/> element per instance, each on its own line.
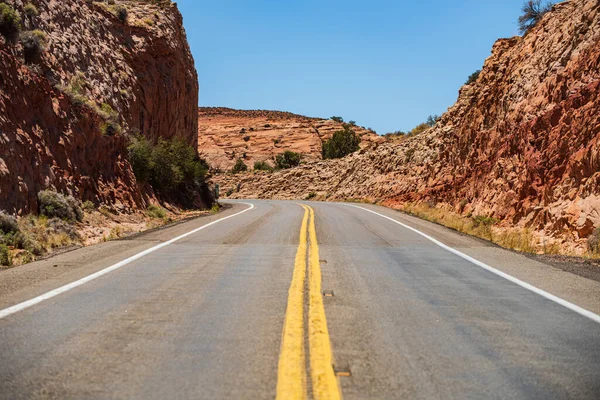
<point x="232" y="310"/>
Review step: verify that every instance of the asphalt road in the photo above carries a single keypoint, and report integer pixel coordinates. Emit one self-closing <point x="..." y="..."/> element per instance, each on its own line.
<point x="204" y="317"/>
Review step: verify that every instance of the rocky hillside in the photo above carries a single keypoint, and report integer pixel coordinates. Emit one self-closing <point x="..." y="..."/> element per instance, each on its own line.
<point x="101" y="74"/>
<point x="256" y="135"/>
<point x="521" y="145"/>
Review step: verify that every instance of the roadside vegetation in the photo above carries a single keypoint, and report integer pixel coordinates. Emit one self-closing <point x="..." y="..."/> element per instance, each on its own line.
<point x="342" y="143"/>
<point x="172" y="168"/>
<point x="239" y="166"/>
<point x="288" y="159"/>
<point x="481" y="226"/>
<point x="263" y="166"/>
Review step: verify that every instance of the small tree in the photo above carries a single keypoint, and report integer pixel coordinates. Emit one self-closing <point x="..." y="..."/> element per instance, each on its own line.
<point x="473" y="77"/>
<point x="337" y="119"/>
<point x="239" y="166"/>
<point x="533" y="12"/>
<point x="341" y="144"/>
<point x="432" y="120"/>
<point x="289" y="159"/>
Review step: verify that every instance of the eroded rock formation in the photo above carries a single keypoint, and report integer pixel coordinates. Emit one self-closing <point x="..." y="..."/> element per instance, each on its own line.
<point x="257" y="135"/>
<point x="51" y="133"/>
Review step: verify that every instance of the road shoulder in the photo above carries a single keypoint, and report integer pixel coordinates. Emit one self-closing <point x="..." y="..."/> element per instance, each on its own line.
<point x="563" y="283"/>
<point x="22" y="283"/>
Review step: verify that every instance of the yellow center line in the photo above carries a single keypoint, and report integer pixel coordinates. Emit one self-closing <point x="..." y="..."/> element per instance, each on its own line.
<point x="324" y="382"/>
<point x="291" y="377"/>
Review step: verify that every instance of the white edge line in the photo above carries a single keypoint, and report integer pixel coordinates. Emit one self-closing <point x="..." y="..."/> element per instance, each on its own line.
<point x="558" y="300"/>
<point x="36" y="300"/>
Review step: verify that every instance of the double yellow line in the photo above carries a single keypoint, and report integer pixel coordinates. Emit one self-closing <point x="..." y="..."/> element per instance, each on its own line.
<point x="292" y="374"/>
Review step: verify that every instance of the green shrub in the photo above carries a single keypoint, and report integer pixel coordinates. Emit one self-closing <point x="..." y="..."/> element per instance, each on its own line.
<point x="171" y="167"/>
<point x="53" y="204"/>
<point x="342" y="143"/>
<point x="31" y="10"/>
<point x="311" y="195"/>
<point x="88" y="206"/>
<point x="156" y="212"/>
<point x="473" y="77"/>
<point x="239" y="166"/>
<point x="337" y="119"/>
<point x="289" y="159"/>
<point x="10" y="22"/>
<point x="5" y="256"/>
<point x="533" y="12"/>
<point x="140" y="157"/>
<point x="229" y="192"/>
<point x="34" y="44"/>
<point x="262" y="166"/>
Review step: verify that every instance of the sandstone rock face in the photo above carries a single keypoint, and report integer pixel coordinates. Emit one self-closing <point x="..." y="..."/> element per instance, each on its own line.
<point x="142" y="69"/>
<point x="522" y="144"/>
<point x="256" y="135"/>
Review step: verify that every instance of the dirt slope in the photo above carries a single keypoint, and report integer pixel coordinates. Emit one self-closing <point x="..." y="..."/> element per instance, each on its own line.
<point x="256" y="135"/>
<point x="142" y="69"/>
<point x="520" y="145"/>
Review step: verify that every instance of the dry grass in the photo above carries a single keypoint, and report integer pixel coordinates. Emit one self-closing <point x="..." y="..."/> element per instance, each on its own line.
<point x="481" y="227"/>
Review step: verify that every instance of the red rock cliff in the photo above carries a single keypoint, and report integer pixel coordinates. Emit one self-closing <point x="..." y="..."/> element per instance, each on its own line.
<point x="522" y="144"/>
<point x="141" y="69"/>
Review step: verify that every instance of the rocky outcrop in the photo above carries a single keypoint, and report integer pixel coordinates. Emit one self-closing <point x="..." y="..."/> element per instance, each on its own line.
<point x="257" y="135"/>
<point x="521" y="145"/>
<point x="139" y="73"/>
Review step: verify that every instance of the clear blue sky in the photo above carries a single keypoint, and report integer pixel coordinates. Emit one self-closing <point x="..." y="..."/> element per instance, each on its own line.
<point x="386" y="64"/>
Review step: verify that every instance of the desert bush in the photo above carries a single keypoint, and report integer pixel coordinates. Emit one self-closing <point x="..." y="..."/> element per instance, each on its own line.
<point x="53" y="204"/>
<point x="10" y="22"/>
<point x="8" y="223"/>
<point x="75" y="89"/>
<point x="594" y="241"/>
<point x="34" y="44"/>
<point x="473" y="77"/>
<point x="342" y="143"/>
<point x="122" y="14"/>
<point x="229" y="192"/>
<point x="262" y="166"/>
<point x="31" y="10"/>
<point x="311" y="195"/>
<point x="169" y="166"/>
<point x="239" y="166"/>
<point x="337" y="119"/>
<point x="288" y="159"/>
<point x="533" y="12"/>
<point x="156" y="212"/>
<point x="140" y="157"/>
<point x="481" y="220"/>
<point x="88" y="206"/>
<point x="246" y="138"/>
<point x="419" y="129"/>
<point x="5" y="256"/>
